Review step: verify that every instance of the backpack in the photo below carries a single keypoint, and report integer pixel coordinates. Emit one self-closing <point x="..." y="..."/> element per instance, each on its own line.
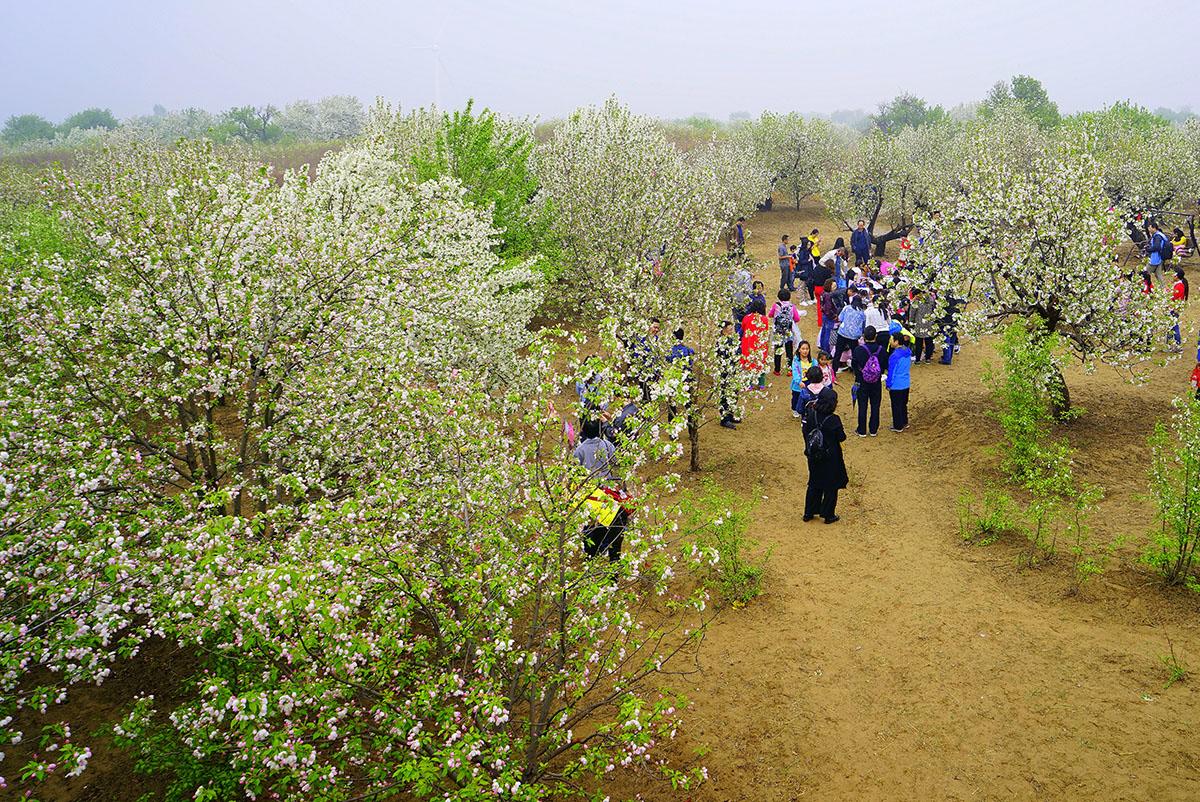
<point x="871" y="371"/>
<point x="1166" y="250"/>
<point x="783" y="320"/>
<point x="814" y="443"/>
<point x="804" y="271"/>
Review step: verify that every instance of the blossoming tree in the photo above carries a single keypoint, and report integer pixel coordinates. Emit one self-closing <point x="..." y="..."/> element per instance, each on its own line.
<point x="638" y="222"/>
<point x="794" y="152"/>
<point x="887" y="180"/>
<point x="1041" y="242"/>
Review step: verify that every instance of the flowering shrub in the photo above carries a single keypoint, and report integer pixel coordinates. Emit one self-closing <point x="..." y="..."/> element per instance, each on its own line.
<point x="1175" y="489"/>
<point x="437" y="632"/>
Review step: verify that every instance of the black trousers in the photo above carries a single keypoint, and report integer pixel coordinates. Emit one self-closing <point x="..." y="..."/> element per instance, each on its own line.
<point x="924" y="344"/>
<point x="818" y="501"/>
<point x="843" y="345"/>
<point x="869" y="395"/>
<point x="899" y="408"/>
<point x="728" y="405"/>
<point x="599" y="539"/>
<point x="787" y="347"/>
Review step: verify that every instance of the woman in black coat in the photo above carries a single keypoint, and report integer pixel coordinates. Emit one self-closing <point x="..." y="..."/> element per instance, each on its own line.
<point x="826" y="471"/>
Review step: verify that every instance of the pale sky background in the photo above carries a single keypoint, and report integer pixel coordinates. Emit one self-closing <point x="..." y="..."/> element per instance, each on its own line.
<point x="544" y="58"/>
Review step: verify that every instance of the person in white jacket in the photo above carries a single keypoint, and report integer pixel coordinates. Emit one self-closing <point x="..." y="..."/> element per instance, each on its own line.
<point x="877" y="313"/>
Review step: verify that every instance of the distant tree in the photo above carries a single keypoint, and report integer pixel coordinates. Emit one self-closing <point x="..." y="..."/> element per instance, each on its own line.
<point x="1122" y="115"/>
<point x="191" y="122"/>
<point x="1184" y="114"/>
<point x="26" y="128"/>
<point x="249" y="124"/>
<point x="335" y="117"/>
<point x="738" y="116"/>
<point x="794" y="152"/>
<point x="964" y="112"/>
<point x="1148" y="164"/>
<point x="851" y="118"/>
<point x="906" y="111"/>
<point x="1030" y="94"/>
<point x="885" y="180"/>
<point x="87" y="119"/>
<point x="160" y="110"/>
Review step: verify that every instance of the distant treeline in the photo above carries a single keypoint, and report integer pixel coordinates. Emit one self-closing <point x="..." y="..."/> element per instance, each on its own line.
<point x="341" y="117"/>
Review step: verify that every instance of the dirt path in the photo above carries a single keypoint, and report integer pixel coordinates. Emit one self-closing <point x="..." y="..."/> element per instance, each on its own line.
<point x="887" y="661"/>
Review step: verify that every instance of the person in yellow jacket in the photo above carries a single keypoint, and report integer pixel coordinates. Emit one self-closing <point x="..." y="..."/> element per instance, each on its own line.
<point x="605" y="532"/>
<point x="814" y="237"/>
<point x="1179" y="242"/>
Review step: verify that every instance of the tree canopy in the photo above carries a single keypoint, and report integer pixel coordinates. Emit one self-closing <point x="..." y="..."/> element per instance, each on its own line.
<point x="22" y="128"/>
<point x="89" y="118"/>
<point x="1029" y="93"/>
<point x="906" y="111"/>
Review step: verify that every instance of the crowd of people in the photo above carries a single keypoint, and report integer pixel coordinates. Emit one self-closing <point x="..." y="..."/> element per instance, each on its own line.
<point x="871" y="328"/>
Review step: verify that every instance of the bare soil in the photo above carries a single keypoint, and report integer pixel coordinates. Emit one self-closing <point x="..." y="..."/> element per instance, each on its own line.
<point x="886" y="660"/>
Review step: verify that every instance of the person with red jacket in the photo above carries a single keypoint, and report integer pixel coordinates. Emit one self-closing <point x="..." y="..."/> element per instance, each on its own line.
<point x="1179" y="294"/>
<point x="756" y="342"/>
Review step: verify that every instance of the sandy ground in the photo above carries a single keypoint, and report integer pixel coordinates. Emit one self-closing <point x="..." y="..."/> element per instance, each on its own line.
<point x="888" y="661"/>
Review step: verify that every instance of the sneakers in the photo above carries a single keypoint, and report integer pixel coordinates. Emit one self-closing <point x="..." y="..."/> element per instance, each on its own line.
<point x="795" y="414"/>
<point x="873" y="434"/>
<point x="808" y="518"/>
<point x="861" y="434"/>
<point x="833" y="519"/>
<point x="894" y="429"/>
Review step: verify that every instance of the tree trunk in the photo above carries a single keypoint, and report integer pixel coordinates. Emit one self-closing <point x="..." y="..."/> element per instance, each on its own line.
<point x="693" y="431"/>
<point x="881" y="241"/>
<point x="1060" y="396"/>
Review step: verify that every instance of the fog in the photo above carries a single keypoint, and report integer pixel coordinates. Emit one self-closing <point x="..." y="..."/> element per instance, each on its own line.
<point x="544" y="57"/>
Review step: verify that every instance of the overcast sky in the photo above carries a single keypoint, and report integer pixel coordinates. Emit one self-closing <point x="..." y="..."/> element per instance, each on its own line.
<point x="668" y="58"/>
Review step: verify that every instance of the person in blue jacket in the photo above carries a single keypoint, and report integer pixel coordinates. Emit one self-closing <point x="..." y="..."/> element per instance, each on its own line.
<point x="860" y="244"/>
<point x="899" y="381"/>
<point x="1160" y="250"/>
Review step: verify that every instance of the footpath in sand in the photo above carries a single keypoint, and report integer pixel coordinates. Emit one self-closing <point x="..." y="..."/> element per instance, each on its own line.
<point x="885" y="660"/>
